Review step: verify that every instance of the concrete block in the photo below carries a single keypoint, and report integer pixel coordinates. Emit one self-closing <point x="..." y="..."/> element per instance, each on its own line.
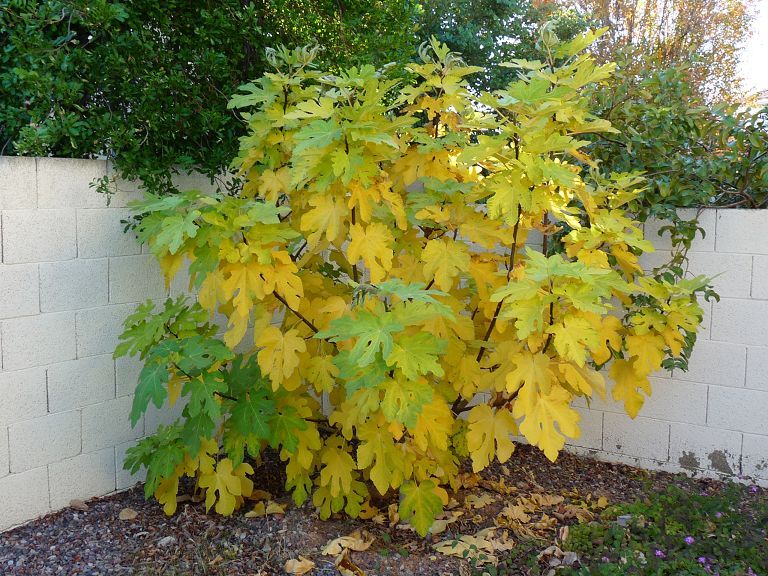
<point x="18" y="182"/>
<point x="754" y="456"/>
<point x="100" y="233"/>
<point x="641" y="437"/>
<point x="124" y="478"/>
<point x="23" y="395"/>
<point x="44" y="440"/>
<point x="731" y="273"/>
<point x="701" y="244"/>
<point x="98" y="328"/>
<point x="81" y="382"/>
<point x="719" y="363"/>
<point x="107" y="424"/>
<point x="740" y="321"/>
<point x="757" y="368"/>
<point x="124" y="191"/>
<point x="73" y="284"/>
<point x="127" y="370"/>
<point x="165" y="416"/>
<point x="760" y="277"/>
<point x="742" y="231"/>
<point x="37" y="340"/>
<point x="25" y="497"/>
<point x="180" y="282"/>
<point x="82" y="477"/>
<point x="738" y="409"/>
<point x="675" y="400"/>
<point x="591" y="425"/>
<point x="18" y="290"/>
<point x="38" y="236"/>
<point x="5" y="457"/>
<point x="699" y="447"/>
<point x="194" y="181"/>
<point x="135" y="279"/>
<point x="66" y="182"/>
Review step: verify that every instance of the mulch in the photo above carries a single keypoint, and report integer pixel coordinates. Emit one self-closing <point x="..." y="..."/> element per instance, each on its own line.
<point x="96" y="541"/>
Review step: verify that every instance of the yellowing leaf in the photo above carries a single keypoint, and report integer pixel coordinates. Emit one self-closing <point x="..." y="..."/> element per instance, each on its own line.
<point x="279" y="356"/>
<point x="444" y="260"/>
<point x="420" y="504"/>
<point x="336" y="467"/>
<point x="373" y="245"/>
<point x="327" y="217"/>
<point x="489" y="435"/>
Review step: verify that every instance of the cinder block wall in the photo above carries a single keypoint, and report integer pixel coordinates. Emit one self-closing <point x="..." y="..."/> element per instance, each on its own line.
<point x="69" y="276"/>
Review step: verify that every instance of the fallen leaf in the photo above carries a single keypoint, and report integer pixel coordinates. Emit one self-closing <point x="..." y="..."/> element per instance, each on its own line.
<point x="367" y="511"/>
<point x="358" y="541"/>
<point x="128" y="514"/>
<point x="79" y="505"/>
<point x="518" y="513"/>
<point x="346" y="567"/>
<point x="546" y="499"/>
<point x="261" y="509"/>
<point x="602" y="502"/>
<point x="299" y="566"/>
<point x="479" y="501"/>
<point x="257" y="495"/>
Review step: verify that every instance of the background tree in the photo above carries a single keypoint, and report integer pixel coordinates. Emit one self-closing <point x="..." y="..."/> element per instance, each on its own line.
<point x="489" y="32"/>
<point x="707" y="34"/>
<point x="146" y="83"/>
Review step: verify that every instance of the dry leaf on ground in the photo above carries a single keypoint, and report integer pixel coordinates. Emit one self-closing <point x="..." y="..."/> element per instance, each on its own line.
<point x="299" y="566"/>
<point x="265" y="509"/>
<point x="128" y="514"/>
<point x="358" y="541"/>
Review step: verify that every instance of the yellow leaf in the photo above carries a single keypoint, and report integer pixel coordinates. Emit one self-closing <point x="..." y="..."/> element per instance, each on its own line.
<point x="444" y="260"/>
<point x="489" y="434"/>
<point x="609" y="337"/>
<point x="321" y="372"/>
<point x="379" y="454"/>
<point x="326" y="217"/>
<point x="540" y="415"/>
<point x="647" y="351"/>
<point x="166" y="494"/>
<point x="272" y="184"/>
<point x="534" y="370"/>
<point x="279" y="354"/>
<point x="373" y="245"/>
<point x="434" y="425"/>
<point x="626" y="384"/>
<point x="228" y="483"/>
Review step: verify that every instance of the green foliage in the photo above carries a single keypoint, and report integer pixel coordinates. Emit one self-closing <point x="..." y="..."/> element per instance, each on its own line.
<point x="692" y="154"/>
<point x="146" y="83"/>
<point x="677" y="532"/>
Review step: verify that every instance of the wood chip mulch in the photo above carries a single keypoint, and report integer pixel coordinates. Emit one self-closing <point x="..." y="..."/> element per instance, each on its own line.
<point x="96" y="541"/>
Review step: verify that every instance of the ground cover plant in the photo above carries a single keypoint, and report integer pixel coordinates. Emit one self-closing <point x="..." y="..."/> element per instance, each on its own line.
<point x="380" y="278"/>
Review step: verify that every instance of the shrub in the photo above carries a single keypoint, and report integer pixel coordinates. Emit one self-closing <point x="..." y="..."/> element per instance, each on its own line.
<point x="379" y="266"/>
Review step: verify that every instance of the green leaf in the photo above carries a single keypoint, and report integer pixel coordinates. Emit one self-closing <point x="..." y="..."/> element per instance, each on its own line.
<point x="373" y="333"/>
<point x="251" y="415"/>
<point x="285" y="422"/>
<point x="152" y="386"/>
<point x="404" y="400"/>
<point x="420" y="505"/>
<point x="417" y="355"/>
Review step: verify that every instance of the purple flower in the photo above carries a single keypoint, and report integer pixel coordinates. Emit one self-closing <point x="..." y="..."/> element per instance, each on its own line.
<point x="701" y="560"/>
<point x="718" y="514"/>
<point x="660" y="554"/>
<point x="753" y="489"/>
<point x="689" y="540"/>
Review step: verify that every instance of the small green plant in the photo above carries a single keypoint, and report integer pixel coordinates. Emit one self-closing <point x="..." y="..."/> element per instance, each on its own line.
<point x="680" y="531"/>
